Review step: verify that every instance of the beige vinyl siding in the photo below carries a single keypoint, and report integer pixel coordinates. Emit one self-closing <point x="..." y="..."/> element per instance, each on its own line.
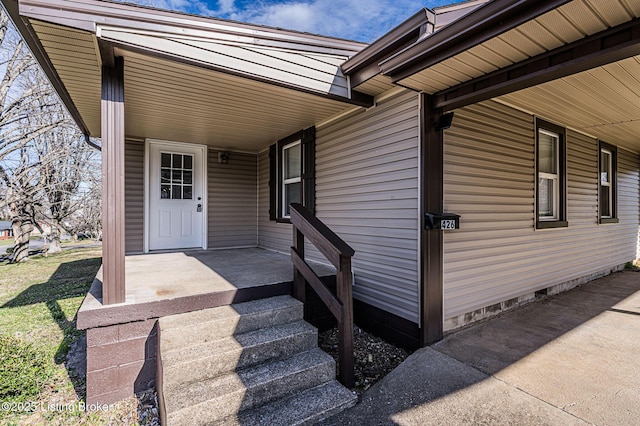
<point x="232" y="200"/>
<point x="489" y="177"/>
<point x="367" y="192"/>
<point x="271" y="235"/>
<point x="134" y="195"/>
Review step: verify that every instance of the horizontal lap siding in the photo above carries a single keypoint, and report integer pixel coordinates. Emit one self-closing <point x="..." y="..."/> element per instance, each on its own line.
<point x="489" y="180"/>
<point x="271" y="235"/>
<point x="367" y="192"/>
<point x="232" y="189"/>
<point x="134" y="195"/>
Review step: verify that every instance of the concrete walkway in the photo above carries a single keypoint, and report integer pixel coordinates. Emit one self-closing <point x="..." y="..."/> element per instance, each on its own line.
<point x="571" y="359"/>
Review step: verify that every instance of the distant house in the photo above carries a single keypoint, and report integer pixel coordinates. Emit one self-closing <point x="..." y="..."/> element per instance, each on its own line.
<point x="6" y="231"/>
<point x="474" y="156"/>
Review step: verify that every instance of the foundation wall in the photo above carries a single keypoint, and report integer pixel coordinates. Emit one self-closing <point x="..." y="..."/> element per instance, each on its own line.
<point x="121" y="360"/>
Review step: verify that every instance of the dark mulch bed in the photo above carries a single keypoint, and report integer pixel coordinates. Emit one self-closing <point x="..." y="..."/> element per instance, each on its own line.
<point x="374" y="358"/>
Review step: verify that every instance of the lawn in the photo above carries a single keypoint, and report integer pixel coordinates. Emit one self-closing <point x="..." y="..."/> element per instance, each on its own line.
<point x="39" y="382"/>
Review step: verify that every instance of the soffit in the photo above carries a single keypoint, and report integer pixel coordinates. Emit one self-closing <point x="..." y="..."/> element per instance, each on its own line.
<point x="175" y="101"/>
<point x="603" y="102"/>
<point x="376" y="85"/>
<point x="75" y="57"/>
<point x="570" y="22"/>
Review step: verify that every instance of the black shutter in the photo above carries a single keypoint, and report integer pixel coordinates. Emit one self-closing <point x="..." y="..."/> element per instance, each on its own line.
<point x="273" y="182"/>
<point x="309" y="169"/>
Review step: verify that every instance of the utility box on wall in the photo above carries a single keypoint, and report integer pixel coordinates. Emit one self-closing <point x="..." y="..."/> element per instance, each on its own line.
<point x="442" y="221"/>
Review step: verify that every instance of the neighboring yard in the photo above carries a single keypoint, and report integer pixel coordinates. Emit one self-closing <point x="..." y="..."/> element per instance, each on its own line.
<point x="39" y="383"/>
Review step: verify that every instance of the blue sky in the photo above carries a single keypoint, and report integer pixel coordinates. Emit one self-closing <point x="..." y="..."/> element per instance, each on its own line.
<point x="362" y="20"/>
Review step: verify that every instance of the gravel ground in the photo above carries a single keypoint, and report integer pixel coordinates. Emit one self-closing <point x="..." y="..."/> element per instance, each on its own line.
<point x="374" y="358"/>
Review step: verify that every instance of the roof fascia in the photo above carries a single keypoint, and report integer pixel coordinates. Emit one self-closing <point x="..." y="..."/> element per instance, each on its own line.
<point x="487" y="21"/>
<point x="38" y="52"/>
<point x="88" y="14"/>
<point x="607" y="46"/>
<point x="393" y="41"/>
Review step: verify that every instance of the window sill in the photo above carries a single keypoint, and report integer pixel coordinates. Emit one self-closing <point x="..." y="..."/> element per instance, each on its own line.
<point x="548" y="224"/>
<point x="283" y="220"/>
<point x="604" y="220"/>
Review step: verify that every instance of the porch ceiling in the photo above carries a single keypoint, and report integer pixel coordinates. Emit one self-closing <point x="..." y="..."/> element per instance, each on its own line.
<point x="603" y="102"/>
<point x="568" y="23"/>
<point x="174" y="101"/>
<point x="188" y="78"/>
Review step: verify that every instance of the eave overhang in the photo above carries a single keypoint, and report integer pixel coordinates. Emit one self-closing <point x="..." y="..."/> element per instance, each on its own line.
<point x="72" y="39"/>
<point x="365" y="64"/>
<point x="484" y="23"/>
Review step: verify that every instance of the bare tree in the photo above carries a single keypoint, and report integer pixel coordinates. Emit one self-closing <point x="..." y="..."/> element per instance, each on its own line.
<point x="43" y="156"/>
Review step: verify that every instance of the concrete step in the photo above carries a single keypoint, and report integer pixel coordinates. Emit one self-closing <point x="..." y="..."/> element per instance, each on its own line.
<point x="304" y="408"/>
<point x="213" y="400"/>
<point x="211" y="359"/>
<point x="179" y="331"/>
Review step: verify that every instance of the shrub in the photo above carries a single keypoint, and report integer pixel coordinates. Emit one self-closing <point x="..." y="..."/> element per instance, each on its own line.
<point x="23" y="370"/>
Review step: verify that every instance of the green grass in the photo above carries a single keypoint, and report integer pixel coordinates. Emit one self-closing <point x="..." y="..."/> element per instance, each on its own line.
<point x="39" y="300"/>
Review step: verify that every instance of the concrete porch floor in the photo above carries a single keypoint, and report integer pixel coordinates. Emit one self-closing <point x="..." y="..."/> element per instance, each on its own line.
<point x="160" y="284"/>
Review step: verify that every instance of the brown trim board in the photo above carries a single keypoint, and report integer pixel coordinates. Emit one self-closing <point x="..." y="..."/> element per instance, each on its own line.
<point x="113" y="185"/>
<point x="611" y="45"/>
<point x="364" y="64"/>
<point x="431" y="254"/>
<point x="110" y="315"/>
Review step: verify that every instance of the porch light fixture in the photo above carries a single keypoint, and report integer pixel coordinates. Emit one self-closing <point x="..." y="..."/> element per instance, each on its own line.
<point x="444" y="122"/>
<point x="223" y="157"/>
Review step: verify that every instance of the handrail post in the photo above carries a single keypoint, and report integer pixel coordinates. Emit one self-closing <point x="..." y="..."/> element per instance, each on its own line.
<point x="345" y="325"/>
<point x="299" y="282"/>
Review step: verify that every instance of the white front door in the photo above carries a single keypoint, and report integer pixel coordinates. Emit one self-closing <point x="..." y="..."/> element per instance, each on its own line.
<point x="176" y="196"/>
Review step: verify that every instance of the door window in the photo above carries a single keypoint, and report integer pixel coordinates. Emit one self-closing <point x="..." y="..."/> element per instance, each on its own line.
<point x="176" y="176"/>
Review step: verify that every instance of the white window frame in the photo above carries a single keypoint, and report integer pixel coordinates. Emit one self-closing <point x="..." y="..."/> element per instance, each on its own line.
<point x="608" y="184"/>
<point x="555" y="177"/>
<point x="290" y="181"/>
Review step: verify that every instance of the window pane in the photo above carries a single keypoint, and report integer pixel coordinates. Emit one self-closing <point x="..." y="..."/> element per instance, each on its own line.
<point x="176" y="176"/>
<point x="188" y="177"/>
<point x="177" y="161"/>
<point x="546" y="198"/>
<point x="292" y="164"/>
<point x="291" y="195"/>
<point x="165" y="191"/>
<point x="547" y="153"/>
<point x="187" y="192"/>
<point x="605" y="201"/>
<point x="176" y="192"/>
<point x="165" y="176"/>
<point x="165" y="160"/>
<point x="188" y="162"/>
<point x="605" y="167"/>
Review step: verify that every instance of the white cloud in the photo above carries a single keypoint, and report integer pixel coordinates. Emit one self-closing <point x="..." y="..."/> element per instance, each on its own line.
<point x="363" y="20"/>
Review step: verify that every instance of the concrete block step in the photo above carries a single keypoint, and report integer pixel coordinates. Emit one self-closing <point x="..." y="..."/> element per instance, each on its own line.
<point x="213" y="400"/>
<point x="304" y="408"/>
<point x="234" y="353"/>
<point x="178" y="331"/>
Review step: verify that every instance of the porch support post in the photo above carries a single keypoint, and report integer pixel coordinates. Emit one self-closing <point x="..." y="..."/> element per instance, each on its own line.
<point x="113" y="278"/>
<point x="432" y="141"/>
